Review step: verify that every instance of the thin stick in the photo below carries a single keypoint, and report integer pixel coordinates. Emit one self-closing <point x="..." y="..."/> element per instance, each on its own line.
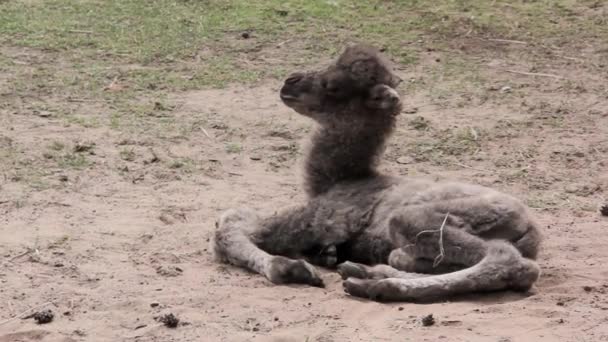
<point x="205" y="131"/>
<point x="69" y="99"/>
<point x="508" y="41"/>
<point x="284" y="42"/>
<point x="534" y="74"/>
<point x="571" y="58"/>
<point x="81" y="31"/>
<point x="24" y="312"/>
<point x="20" y="255"/>
<point x="471" y="167"/>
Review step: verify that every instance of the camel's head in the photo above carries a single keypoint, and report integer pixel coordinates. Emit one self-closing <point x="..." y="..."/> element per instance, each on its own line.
<point x="360" y="83"/>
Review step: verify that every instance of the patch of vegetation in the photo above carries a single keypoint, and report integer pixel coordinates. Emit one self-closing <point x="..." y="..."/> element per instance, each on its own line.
<point x="209" y="33"/>
<point x="73" y="161"/>
<point x="233" y="148"/>
<point x="463" y="141"/>
<point x="185" y="164"/>
<point x="56" y="146"/>
<point x="121" y="51"/>
<point x="419" y="123"/>
<point x="127" y="154"/>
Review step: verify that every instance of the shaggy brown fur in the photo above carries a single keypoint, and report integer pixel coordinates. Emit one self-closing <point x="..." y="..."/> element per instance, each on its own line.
<point x="356" y="215"/>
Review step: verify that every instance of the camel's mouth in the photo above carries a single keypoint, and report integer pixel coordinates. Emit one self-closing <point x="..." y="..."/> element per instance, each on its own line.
<point x="288" y="98"/>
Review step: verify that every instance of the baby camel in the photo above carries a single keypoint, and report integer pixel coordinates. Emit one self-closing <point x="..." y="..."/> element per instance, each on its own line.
<point x="391" y="239"/>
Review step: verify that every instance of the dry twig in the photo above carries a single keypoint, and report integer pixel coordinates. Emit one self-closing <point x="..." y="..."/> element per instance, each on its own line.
<point x="534" y="74"/>
<point x="438" y="258"/>
<point x="81" y="31"/>
<point x="508" y="41"/>
<point x="206" y="133"/>
<point x="24" y="312"/>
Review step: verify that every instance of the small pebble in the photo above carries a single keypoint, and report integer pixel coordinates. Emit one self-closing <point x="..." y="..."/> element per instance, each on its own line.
<point x="43" y="317"/>
<point x="405" y="160"/>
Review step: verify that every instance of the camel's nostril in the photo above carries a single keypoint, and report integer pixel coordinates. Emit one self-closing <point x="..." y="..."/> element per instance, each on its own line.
<point x="294" y="78"/>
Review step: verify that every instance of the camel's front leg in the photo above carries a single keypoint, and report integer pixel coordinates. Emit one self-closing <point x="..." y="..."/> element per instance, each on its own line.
<point x="236" y="240"/>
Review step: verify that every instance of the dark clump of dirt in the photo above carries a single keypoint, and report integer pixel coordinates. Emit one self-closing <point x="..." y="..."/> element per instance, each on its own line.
<point x="169" y="320"/>
<point x="428" y="320"/>
<point x="43" y="317"/>
<point x="604" y="210"/>
<point x="84" y="147"/>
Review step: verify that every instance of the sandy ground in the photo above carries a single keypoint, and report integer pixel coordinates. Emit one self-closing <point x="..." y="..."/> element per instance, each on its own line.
<point x="113" y="245"/>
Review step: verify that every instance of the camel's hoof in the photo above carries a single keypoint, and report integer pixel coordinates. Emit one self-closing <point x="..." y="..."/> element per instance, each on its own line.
<point x="287" y="271"/>
<point x="327" y="257"/>
<point x="382" y="290"/>
<point x="357" y="287"/>
<point x="352" y="270"/>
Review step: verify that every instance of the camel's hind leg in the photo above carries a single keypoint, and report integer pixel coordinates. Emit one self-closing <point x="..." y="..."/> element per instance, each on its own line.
<point x="494" y="265"/>
<point x="503" y="267"/>
<point x="489" y="216"/>
<point x="236" y="242"/>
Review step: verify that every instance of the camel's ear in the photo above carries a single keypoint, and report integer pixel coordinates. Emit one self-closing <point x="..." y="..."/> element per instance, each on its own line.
<point x="350" y="46"/>
<point x="396" y="80"/>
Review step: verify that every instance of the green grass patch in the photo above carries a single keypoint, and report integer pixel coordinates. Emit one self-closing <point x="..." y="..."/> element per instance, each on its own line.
<point x="140" y="31"/>
<point x="76" y="161"/>
<point x="233" y="148"/>
<point x="151" y="48"/>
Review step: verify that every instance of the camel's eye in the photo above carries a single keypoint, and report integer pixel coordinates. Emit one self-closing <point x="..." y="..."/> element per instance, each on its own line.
<point x="330" y="87"/>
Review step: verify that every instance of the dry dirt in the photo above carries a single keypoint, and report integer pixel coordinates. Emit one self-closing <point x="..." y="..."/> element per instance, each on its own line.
<point x="123" y="240"/>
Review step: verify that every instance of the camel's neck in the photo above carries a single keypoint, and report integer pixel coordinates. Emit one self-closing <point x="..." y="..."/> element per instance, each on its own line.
<point x="345" y="153"/>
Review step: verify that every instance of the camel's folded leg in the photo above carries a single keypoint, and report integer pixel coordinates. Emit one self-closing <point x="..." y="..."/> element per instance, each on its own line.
<point x="418" y="260"/>
<point x="503" y="267"/>
<point x="234" y="243"/>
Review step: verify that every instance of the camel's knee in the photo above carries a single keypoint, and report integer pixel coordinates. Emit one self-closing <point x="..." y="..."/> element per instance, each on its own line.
<point x="515" y="216"/>
<point x="402" y="260"/>
<point x="229" y="229"/>
<point x="507" y="263"/>
<point x="235" y="215"/>
<point x="499" y="210"/>
<point x="506" y="218"/>
<point x="529" y="244"/>
<point x="401" y="230"/>
<point x="525" y="275"/>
